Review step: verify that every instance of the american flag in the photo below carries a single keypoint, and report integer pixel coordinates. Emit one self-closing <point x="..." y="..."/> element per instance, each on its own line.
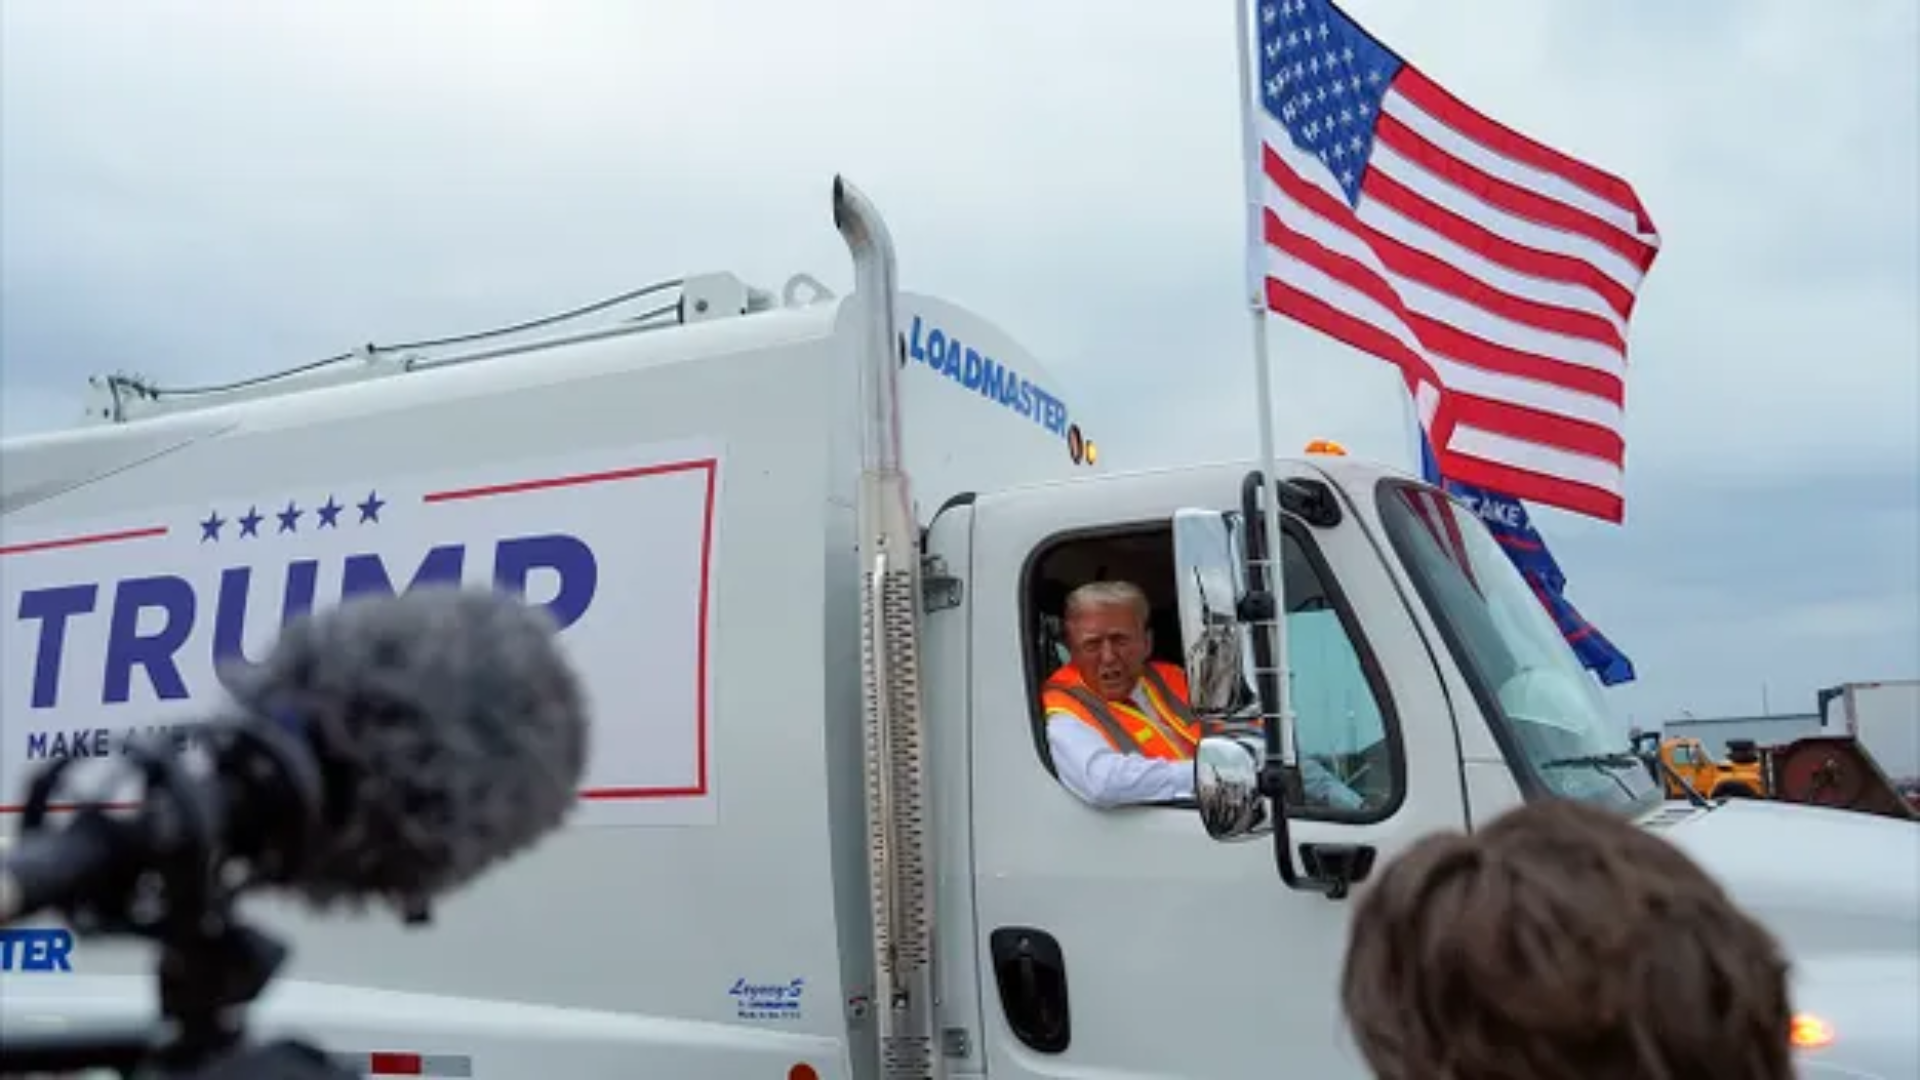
<point x="1498" y="275"/>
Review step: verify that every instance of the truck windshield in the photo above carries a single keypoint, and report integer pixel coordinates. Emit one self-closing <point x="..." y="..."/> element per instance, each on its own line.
<point x="1546" y="707"/>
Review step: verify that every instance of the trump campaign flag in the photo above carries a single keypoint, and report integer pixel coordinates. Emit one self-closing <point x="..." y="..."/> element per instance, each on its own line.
<point x="1499" y="275"/>
<point x="1512" y="527"/>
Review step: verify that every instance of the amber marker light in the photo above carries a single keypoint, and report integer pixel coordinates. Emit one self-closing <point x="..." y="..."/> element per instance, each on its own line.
<point x="1810" y="1032"/>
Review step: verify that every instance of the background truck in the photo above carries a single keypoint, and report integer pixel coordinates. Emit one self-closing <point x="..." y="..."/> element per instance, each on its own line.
<point x="1689" y="765"/>
<point x="1885" y="718"/>
<point x="809" y="554"/>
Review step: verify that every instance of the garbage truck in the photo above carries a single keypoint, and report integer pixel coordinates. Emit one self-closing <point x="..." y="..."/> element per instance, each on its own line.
<point x="809" y="552"/>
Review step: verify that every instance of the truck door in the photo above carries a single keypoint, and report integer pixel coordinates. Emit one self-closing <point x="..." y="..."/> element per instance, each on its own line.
<point x="1126" y="939"/>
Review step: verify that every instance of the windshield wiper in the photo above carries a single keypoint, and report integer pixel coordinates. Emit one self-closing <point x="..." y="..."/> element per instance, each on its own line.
<point x="1596" y="761"/>
<point x="1604" y="763"/>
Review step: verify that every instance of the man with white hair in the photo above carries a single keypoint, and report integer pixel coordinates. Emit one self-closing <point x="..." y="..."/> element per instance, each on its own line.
<point x="1118" y="723"/>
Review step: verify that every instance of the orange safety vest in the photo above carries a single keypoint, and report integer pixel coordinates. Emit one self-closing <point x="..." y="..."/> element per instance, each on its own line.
<point x="1170" y="734"/>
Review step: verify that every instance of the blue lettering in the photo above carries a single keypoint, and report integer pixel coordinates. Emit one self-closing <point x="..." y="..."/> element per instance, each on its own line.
<point x="937" y="349"/>
<point x="1048" y="412"/>
<point x="975" y="370"/>
<point x="86" y="743"/>
<point x="568" y="557"/>
<point x="52" y="607"/>
<point x="366" y="573"/>
<point x="790" y="990"/>
<point x="153" y="617"/>
<point x="767" y="1001"/>
<point x="982" y="374"/>
<point x="127" y="647"/>
<point x="993" y="381"/>
<point x="1000" y="384"/>
<point x="914" y="348"/>
<point x="230" y="612"/>
<point x="36" y="949"/>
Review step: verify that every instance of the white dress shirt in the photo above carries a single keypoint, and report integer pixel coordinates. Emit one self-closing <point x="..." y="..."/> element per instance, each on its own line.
<point x="1091" y="768"/>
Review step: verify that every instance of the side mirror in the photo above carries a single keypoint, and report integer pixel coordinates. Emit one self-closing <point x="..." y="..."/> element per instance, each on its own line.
<point x="1226" y="785"/>
<point x="1209" y="556"/>
<point x="1243" y="776"/>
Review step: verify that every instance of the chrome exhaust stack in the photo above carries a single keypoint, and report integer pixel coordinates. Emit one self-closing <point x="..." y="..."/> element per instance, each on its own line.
<point x="900" y="876"/>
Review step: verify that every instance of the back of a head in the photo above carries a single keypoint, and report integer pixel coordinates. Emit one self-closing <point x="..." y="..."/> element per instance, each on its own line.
<point x="1561" y="942"/>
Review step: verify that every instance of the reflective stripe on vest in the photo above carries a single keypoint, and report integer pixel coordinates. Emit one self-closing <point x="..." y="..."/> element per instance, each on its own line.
<point x="1189" y="725"/>
<point x="1169" y="723"/>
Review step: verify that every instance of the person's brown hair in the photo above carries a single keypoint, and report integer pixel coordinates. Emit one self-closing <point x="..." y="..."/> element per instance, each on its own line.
<point x="1561" y="942"/>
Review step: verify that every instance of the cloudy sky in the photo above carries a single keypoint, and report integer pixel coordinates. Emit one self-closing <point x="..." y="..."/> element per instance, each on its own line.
<point x="202" y="191"/>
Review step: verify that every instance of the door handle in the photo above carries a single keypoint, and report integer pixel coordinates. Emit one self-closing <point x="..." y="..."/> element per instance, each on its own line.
<point x="1031" y="972"/>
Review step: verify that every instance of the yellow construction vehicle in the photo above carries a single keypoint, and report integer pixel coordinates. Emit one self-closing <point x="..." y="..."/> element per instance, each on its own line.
<point x="1741" y="776"/>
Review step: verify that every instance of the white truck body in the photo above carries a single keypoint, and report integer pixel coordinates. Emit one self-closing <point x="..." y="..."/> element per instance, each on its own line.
<point x="710" y="910"/>
<point x="1884" y="717"/>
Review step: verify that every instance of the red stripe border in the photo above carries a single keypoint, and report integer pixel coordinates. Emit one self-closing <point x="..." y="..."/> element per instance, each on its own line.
<point x="87" y="540"/>
<point x="701" y="785"/>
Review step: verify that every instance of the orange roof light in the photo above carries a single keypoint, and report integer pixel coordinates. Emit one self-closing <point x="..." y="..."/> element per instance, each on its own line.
<point x="1810" y="1032"/>
<point x="1326" y="446"/>
<point x="1093" y="452"/>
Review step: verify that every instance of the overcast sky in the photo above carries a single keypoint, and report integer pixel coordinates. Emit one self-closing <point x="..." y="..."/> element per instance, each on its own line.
<point x="202" y="191"/>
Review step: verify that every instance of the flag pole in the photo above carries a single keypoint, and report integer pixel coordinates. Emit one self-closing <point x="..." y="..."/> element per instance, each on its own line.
<point x="1256" y="297"/>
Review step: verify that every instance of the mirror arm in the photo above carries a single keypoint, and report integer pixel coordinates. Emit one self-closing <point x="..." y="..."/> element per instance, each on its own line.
<point x="1255" y="607"/>
<point x="1274" y="785"/>
<point x="1311" y="501"/>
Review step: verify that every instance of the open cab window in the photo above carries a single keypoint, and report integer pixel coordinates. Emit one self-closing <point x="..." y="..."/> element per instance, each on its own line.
<point x="1346" y="730"/>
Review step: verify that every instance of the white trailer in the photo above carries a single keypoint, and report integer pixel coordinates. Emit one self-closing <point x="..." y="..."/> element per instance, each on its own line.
<point x="1882" y="716"/>
<point x="820" y="836"/>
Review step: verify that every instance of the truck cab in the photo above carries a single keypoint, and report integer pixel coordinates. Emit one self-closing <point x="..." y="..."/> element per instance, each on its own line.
<point x="1427" y="678"/>
<point x="1089" y="919"/>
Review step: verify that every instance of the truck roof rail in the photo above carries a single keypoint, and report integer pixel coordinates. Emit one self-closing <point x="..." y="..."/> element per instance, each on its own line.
<point x="122" y="397"/>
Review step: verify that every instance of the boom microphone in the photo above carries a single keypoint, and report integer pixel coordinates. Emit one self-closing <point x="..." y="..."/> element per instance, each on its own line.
<point x="389" y="749"/>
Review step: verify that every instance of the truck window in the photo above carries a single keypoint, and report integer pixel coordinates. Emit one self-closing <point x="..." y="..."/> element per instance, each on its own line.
<point x="1347" y="733"/>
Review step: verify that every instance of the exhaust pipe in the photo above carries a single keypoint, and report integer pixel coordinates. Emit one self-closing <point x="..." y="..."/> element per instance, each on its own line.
<point x="899" y="871"/>
<point x="875" y="285"/>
